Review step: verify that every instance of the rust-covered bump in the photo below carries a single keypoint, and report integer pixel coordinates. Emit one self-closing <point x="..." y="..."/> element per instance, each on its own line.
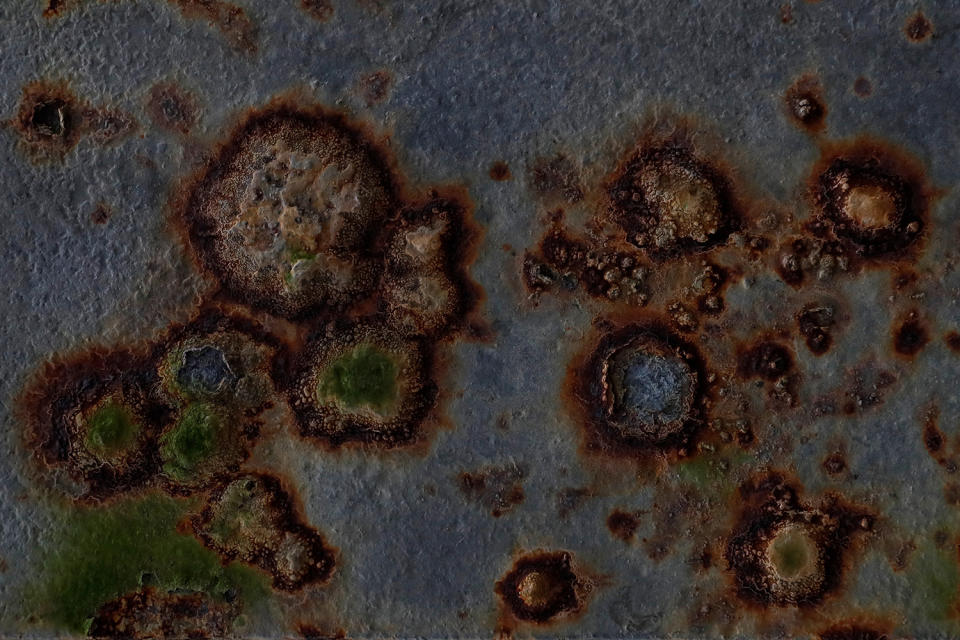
<point x="805" y="103"/>
<point x="543" y="587"/>
<point x="918" y="28"/>
<point x="622" y="524"/>
<point x="910" y="335"/>
<point x="172" y="108"/>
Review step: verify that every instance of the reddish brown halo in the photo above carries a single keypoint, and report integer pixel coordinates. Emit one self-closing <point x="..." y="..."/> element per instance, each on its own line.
<point x="540" y="587"/>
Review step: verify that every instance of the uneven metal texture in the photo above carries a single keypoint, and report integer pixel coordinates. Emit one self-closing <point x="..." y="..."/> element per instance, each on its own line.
<point x="814" y="400"/>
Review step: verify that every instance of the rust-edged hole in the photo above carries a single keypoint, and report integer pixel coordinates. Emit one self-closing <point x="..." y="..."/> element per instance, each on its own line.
<point x="642" y="388"/>
<point x="783" y="552"/>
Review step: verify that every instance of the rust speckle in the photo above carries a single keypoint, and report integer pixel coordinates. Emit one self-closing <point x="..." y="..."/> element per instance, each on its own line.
<point x="321" y="10"/>
<point x="542" y="587"/>
<point x="375" y="87"/>
<point x="952" y="340"/>
<point x="496" y="489"/>
<point x="863" y="87"/>
<point x="934" y="439"/>
<point x="149" y="613"/>
<point x="918" y="28"/>
<point x="101" y="213"/>
<point x="815" y="322"/>
<point x="786" y="13"/>
<point x="835" y="464"/>
<point x="500" y="171"/>
<point x="767" y="360"/>
<point x="805" y="104"/>
<point x="172" y="108"/>
<point x="783" y="552"/>
<point x="622" y="524"/>
<point x="910" y="336"/>
<point x="857" y="630"/>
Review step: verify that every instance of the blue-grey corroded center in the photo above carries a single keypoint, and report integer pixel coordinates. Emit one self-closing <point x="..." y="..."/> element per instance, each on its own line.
<point x="205" y="370"/>
<point x="649" y="394"/>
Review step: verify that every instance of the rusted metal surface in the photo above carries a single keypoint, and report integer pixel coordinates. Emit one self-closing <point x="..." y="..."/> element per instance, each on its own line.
<point x="371" y="319"/>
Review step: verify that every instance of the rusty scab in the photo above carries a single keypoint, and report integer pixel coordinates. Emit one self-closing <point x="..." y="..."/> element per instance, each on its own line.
<point x="622" y="524"/>
<point x="768" y="360"/>
<point x="873" y="198"/>
<point x="910" y="335"/>
<point x="150" y="613"/>
<point x="952" y="340"/>
<point x="172" y="108"/>
<point x="374" y="88"/>
<point x="643" y="388"/>
<point x="500" y="171"/>
<point x="320" y="10"/>
<point x="918" y="28"/>
<point x="251" y="518"/>
<point x="95" y="416"/>
<point x="426" y="289"/>
<point x="670" y="199"/>
<point x="805" y="104"/>
<point x="857" y="630"/>
<point x="783" y="552"/>
<point x="816" y="321"/>
<point x="365" y="384"/>
<point x="556" y="179"/>
<point x="542" y="587"/>
<point x="287" y="215"/>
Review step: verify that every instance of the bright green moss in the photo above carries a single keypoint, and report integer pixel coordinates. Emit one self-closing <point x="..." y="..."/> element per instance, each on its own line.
<point x="365" y="376"/>
<point x="100" y="554"/>
<point x="191" y="441"/>
<point x="111" y="428"/>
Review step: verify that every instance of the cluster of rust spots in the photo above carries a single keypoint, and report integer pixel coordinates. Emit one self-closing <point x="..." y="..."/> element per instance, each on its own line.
<point x="857" y="630"/>
<point x="816" y="323"/>
<point x="172" y="108"/>
<point x="918" y="28"/>
<point x="805" y="104"/>
<point x="556" y="179"/>
<point x="496" y="489"/>
<point x="783" y="552"/>
<point x="52" y="119"/>
<point x="252" y="518"/>
<point x="641" y="389"/>
<point x="139" y="390"/>
<point x="149" y="613"/>
<point x="771" y="361"/>
<point x="543" y="587"/>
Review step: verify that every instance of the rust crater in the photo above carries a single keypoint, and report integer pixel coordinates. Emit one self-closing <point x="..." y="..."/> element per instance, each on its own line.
<point x="642" y="388"/>
<point x="540" y="587"/>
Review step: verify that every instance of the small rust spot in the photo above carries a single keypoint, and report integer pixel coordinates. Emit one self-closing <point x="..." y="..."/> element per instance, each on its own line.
<point x="101" y="213"/>
<point x="623" y="525"/>
<point x="500" y="171"/>
<point x="786" y="553"/>
<point x="496" y="489"/>
<point x="857" y="630"/>
<point x="952" y="340"/>
<point x="374" y="88"/>
<point x="172" y="108"/>
<point x="918" y="27"/>
<point x="835" y="464"/>
<point x="815" y="322"/>
<point x="321" y="10"/>
<point x="863" y="87"/>
<point x="767" y="360"/>
<point x="541" y="587"/>
<point x="805" y="104"/>
<point x="786" y="13"/>
<point x="910" y="336"/>
<point x="231" y="20"/>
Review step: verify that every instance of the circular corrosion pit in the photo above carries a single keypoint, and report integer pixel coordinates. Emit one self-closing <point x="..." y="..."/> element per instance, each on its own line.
<point x="667" y="199"/>
<point x="287" y="213"/>
<point x="872" y="196"/>
<point x="541" y="587"/>
<point x="364" y="383"/>
<point x="785" y="553"/>
<point x="642" y="387"/>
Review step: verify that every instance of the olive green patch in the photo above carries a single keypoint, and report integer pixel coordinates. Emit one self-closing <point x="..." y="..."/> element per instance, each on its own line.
<point x="365" y="376"/>
<point x="191" y="441"/>
<point x="110" y="429"/>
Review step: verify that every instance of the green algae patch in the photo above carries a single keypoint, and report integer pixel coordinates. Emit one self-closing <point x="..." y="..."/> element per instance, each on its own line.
<point x="191" y="441"/>
<point x="935" y="584"/>
<point x="100" y="554"/>
<point x="712" y="471"/>
<point x="111" y="428"/>
<point x="365" y="376"/>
